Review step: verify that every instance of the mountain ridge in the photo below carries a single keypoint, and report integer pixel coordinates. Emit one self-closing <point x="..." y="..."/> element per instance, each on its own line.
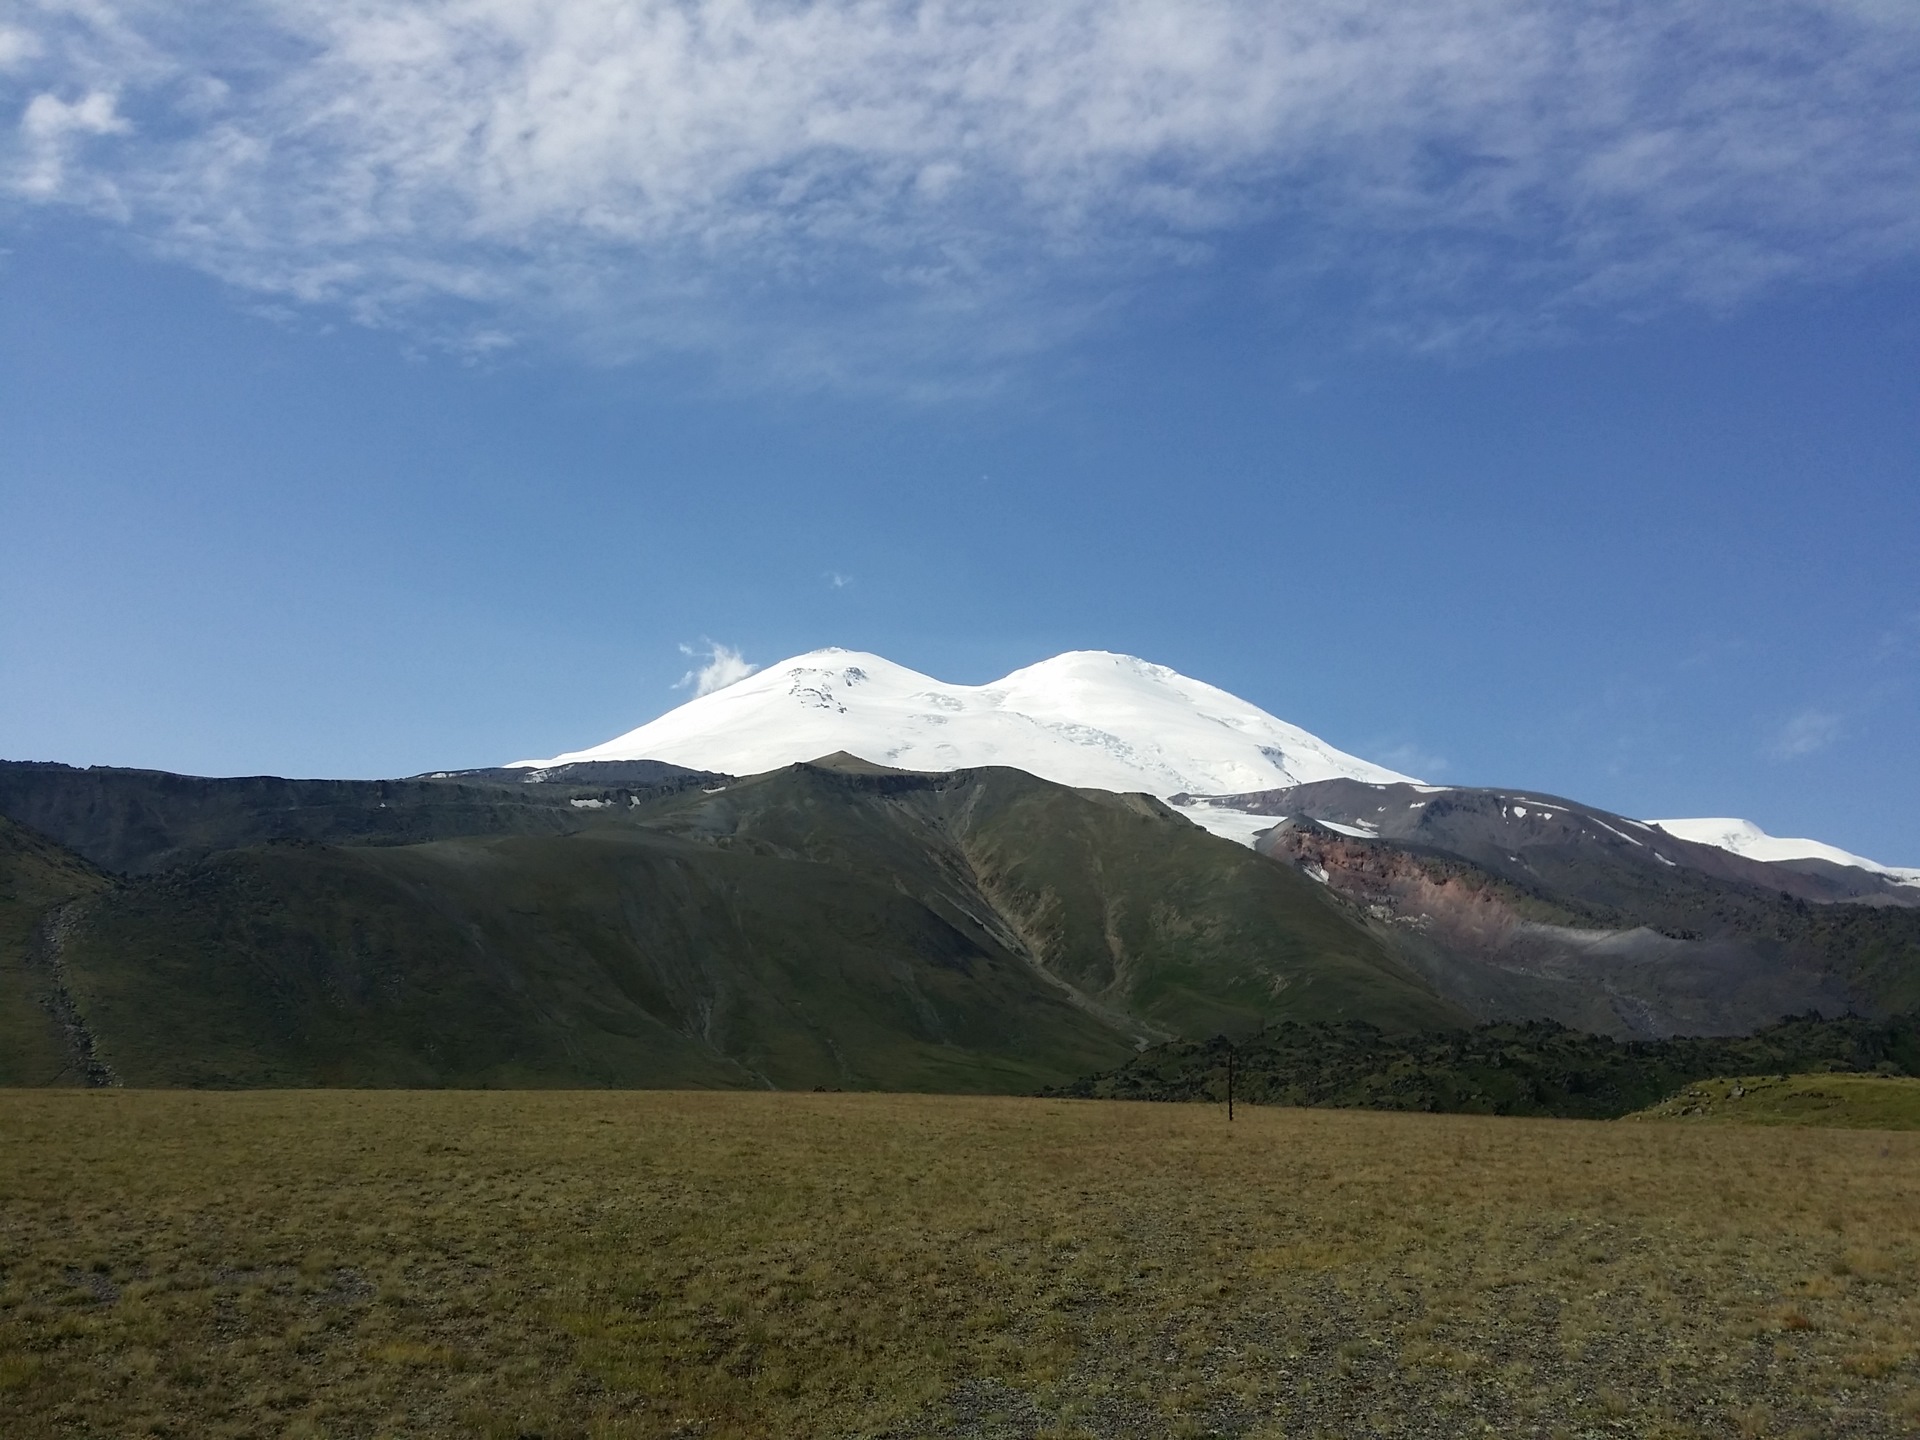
<point x="815" y="925"/>
<point x="872" y="912"/>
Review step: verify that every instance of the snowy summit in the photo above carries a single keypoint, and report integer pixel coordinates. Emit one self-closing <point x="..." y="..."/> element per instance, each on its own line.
<point x="1088" y="718"/>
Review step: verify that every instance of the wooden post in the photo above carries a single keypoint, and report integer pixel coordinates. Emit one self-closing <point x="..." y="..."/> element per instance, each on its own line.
<point x="1229" y="1082"/>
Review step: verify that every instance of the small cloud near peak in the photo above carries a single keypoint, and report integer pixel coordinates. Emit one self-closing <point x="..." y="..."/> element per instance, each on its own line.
<point x="721" y="666"/>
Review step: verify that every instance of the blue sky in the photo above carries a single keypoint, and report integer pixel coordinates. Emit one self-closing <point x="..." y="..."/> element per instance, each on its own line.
<point x="1509" y="395"/>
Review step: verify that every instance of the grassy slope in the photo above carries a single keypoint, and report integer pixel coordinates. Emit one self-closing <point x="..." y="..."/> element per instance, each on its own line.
<point x="35" y="875"/>
<point x="1859" y="1102"/>
<point x="986" y="931"/>
<point x="616" y="958"/>
<point x="1154" y="927"/>
<point x="1199" y="935"/>
<point x="632" y="1266"/>
<point x="1128" y="903"/>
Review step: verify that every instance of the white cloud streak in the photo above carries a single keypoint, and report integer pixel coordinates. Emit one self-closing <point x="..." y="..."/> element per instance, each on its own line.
<point x="852" y="189"/>
<point x="723" y="665"/>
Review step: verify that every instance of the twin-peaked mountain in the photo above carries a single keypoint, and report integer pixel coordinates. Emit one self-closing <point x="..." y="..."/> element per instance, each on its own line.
<point x="1089" y="719"/>
<point x="839" y="872"/>
<point x="1094" y="719"/>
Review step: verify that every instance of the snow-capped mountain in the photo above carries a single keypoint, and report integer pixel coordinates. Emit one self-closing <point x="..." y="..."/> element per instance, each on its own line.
<point x="1087" y="718"/>
<point x="1743" y="837"/>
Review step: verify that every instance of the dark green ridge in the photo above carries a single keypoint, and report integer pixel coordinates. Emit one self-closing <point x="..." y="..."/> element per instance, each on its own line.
<point x="143" y="821"/>
<point x="1534" y="1068"/>
<point x="845" y="925"/>
<point x="980" y="931"/>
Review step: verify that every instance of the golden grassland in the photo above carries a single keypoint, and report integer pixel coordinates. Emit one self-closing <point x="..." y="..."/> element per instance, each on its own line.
<point x="733" y="1265"/>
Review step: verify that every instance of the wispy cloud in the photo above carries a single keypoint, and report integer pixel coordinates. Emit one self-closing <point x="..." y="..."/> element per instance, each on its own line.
<point x="1804" y="734"/>
<point x="1409" y="759"/>
<point x="16" y="47"/>
<point x="874" y="189"/>
<point x="721" y="666"/>
<point x="837" y="581"/>
<point x="1899" y="644"/>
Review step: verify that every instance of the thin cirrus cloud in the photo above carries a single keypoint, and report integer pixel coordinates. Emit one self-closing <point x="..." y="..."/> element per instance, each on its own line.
<point x="1409" y="759"/>
<point x="868" y="188"/>
<point x="1806" y="733"/>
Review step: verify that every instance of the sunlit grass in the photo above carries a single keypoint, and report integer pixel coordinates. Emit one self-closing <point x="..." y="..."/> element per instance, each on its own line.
<point x="654" y="1264"/>
<point x="1872" y="1102"/>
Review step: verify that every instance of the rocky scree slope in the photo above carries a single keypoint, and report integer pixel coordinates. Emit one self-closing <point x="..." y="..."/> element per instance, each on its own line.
<point x="1522" y="907"/>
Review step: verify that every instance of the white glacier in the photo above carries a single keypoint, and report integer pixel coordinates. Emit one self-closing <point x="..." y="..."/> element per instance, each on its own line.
<point x="1088" y="718"/>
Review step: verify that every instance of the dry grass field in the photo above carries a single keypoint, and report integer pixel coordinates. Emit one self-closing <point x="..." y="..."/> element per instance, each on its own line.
<point x="660" y="1264"/>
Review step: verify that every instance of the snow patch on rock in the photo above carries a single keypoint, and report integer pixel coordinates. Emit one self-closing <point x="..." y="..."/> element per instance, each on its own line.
<point x="1743" y="837"/>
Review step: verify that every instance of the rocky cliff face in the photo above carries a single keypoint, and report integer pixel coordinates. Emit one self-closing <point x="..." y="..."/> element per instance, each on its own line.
<point x="1547" y="841"/>
<point x="1503" y="951"/>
